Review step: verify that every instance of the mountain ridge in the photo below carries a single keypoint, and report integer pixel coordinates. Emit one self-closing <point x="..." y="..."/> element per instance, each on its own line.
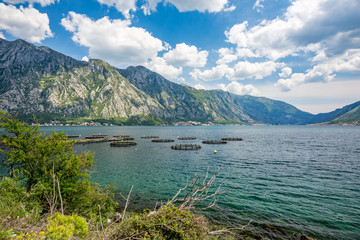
<point x="53" y="86"/>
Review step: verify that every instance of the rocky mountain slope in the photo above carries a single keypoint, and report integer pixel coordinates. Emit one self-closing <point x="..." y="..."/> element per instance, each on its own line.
<point x="52" y="86"/>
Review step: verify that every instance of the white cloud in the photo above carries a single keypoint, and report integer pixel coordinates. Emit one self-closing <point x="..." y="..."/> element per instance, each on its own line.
<point x="325" y="71"/>
<point x="257" y="70"/>
<point x="43" y="3"/>
<point x="305" y="22"/>
<point x="258" y="5"/>
<point x="230" y="9"/>
<point x="2" y="36"/>
<point x="285" y="72"/>
<point x="114" y="41"/>
<point x="160" y="66"/>
<point x="85" y="59"/>
<point x="226" y="56"/>
<point x="27" y="23"/>
<point x="215" y="73"/>
<point x="123" y="6"/>
<point x="190" y="5"/>
<point x="240" y="89"/>
<point x="199" y="87"/>
<point x="185" y="55"/>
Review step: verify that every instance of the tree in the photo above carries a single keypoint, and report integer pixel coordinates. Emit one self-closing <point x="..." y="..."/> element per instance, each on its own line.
<point x="49" y="164"/>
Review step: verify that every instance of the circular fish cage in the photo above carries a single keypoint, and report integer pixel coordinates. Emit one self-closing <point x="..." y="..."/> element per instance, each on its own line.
<point x="186" y="138"/>
<point x="150" y="137"/>
<point x="122" y="144"/>
<point x="232" y="139"/>
<point x="214" y="142"/>
<point x="185" y="147"/>
<point x="162" y="140"/>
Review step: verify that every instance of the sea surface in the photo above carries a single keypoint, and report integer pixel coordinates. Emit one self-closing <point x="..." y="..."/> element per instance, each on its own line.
<point x="284" y="179"/>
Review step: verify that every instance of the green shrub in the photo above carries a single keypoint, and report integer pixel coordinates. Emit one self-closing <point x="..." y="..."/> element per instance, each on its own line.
<point x="49" y="163"/>
<point x="167" y="223"/>
<point x="16" y="202"/>
<point x="63" y="227"/>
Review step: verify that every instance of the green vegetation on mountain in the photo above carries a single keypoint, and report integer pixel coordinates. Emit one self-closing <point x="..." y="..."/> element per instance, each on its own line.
<point x="54" y="87"/>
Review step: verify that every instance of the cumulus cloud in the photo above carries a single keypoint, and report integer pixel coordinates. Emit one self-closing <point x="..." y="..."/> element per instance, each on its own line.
<point x="240" y="89"/>
<point x="285" y="72"/>
<point x="123" y="6"/>
<point x="85" y="59"/>
<point x="325" y="71"/>
<point x="190" y="5"/>
<point x="160" y="66"/>
<point x="2" y="35"/>
<point x="214" y="73"/>
<point x="305" y="22"/>
<point x="27" y="23"/>
<point x="185" y="55"/>
<point x="114" y="41"/>
<point x="43" y="3"/>
<point x="226" y="56"/>
<point x="258" y="70"/>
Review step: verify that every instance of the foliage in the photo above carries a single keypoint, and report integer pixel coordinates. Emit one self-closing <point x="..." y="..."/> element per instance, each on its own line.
<point x="30" y="236"/>
<point x="167" y="223"/>
<point x="63" y="227"/>
<point x="16" y="202"/>
<point x="61" y="177"/>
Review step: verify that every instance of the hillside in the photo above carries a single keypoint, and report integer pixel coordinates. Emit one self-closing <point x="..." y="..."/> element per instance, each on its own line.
<point x="42" y="82"/>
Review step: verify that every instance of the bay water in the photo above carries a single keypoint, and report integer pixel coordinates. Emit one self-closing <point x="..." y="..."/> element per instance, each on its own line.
<point x="284" y="179"/>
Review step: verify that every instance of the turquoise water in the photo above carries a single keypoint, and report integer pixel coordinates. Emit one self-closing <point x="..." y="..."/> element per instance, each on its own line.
<point x="286" y="179"/>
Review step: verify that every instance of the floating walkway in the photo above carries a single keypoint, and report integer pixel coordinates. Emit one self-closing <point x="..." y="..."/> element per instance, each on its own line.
<point x="126" y="138"/>
<point x="232" y="139"/>
<point x="161" y="140"/>
<point x="97" y="140"/>
<point x="214" y="142"/>
<point x="150" y="137"/>
<point x="186" y="138"/>
<point x="72" y="136"/>
<point x="122" y="144"/>
<point x="94" y="137"/>
<point x="185" y="147"/>
<point x="121" y="136"/>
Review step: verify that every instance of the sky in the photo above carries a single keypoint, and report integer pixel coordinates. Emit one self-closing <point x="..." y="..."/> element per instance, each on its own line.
<point x="303" y="52"/>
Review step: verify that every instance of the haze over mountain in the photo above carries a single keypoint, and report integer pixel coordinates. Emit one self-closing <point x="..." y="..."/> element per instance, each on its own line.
<point x="52" y="86"/>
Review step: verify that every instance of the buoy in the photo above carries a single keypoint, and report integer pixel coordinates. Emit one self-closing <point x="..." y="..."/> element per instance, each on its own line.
<point x="135" y="149"/>
<point x="263" y="139"/>
<point x="215" y="152"/>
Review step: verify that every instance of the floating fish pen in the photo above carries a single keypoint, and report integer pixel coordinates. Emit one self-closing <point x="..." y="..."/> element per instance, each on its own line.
<point x="99" y="135"/>
<point x="150" y="137"/>
<point x="127" y="138"/>
<point x="122" y="144"/>
<point x="94" y="137"/>
<point x="185" y="147"/>
<point x="97" y="140"/>
<point x="232" y="139"/>
<point x="121" y="136"/>
<point x="72" y="136"/>
<point x="214" y="142"/>
<point x="186" y="138"/>
<point x="161" y="140"/>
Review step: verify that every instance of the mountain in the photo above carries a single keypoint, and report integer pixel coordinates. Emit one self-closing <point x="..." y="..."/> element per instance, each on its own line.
<point x="52" y="86"/>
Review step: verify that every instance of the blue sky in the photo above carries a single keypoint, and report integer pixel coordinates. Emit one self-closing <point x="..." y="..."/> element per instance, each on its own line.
<point x="304" y="52"/>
